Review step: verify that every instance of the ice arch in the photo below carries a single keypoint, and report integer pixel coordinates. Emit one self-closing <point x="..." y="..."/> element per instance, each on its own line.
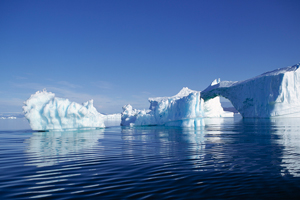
<point x="274" y="93"/>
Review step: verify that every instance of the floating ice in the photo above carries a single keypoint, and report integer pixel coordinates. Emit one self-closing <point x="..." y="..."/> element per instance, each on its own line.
<point x="275" y="93"/>
<point x="44" y="111"/>
<point x="185" y="109"/>
<point x="165" y="110"/>
<point x="8" y="117"/>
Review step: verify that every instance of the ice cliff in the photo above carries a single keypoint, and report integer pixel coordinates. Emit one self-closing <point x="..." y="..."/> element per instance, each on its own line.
<point x="44" y="111"/>
<point x="274" y="93"/>
<point x="186" y="109"/>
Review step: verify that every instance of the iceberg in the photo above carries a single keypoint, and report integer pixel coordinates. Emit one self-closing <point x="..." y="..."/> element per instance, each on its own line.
<point x="271" y="94"/>
<point x="274" y="93"/>
<point x="166" y="110"/>
<point x="186" y="109"/>
<point x="8" y="117"/>
<point x="44" y="111"/>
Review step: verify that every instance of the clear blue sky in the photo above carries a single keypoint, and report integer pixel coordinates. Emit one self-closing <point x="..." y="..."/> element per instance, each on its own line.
<point x="120" y="52"/>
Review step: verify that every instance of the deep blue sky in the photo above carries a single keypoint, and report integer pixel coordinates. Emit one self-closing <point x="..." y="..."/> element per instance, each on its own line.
<point x="120" y="52"/>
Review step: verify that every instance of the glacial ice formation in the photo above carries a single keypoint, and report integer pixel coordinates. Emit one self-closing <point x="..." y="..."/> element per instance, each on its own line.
<point x="185" y="109"/>
<point x="44" y="111"/>
<point x="274" y="93"/>
<point x="165" y="110"/>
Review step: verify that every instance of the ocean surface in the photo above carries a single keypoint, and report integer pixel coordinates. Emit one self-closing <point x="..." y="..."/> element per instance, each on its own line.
<point x="229" y="158"/>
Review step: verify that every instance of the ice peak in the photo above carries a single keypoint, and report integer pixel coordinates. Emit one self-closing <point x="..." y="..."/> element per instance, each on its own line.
<point x="215" y="82"/>
<point x="184" y="92"/>
<point x="127" y="107"/>
<point x="89" y="103"/>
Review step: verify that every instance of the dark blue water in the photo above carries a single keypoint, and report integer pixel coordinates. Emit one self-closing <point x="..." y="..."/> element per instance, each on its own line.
<point x="228" y="159"/>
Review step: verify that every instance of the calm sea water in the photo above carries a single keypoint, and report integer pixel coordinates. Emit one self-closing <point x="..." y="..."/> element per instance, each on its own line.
<point x="229" y="158"/>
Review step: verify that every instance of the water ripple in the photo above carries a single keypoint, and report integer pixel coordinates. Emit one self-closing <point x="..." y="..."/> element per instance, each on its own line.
<point x="256" y="159"/>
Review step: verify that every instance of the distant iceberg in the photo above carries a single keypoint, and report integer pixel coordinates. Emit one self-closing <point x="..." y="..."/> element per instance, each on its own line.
<point x="8" y="117"/>
<point x="186" y="109"/>
<point x="44" y="111"/>
<point x="275" y="93"/>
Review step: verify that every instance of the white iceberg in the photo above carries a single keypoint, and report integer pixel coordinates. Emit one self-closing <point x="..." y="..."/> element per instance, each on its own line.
<point x="44" y="111"/>
<point x="275" y="93"/>
<point x="186" y="109"/>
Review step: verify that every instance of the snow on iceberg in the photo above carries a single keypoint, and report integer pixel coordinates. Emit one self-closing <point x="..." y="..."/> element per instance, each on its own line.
<point x="44" y="111"/>
<point x="274" y="93"/>
<point x="185" y="109"/>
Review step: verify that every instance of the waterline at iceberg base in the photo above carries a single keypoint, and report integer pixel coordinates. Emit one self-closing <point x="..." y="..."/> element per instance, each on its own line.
<point x="275" y="93"/>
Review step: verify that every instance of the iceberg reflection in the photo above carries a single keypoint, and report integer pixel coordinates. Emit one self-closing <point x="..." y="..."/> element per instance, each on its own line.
<point x="288" y="130"/>
<point x="193" y="143"/>
<point x="206" y="144"/>
<point x="50" y="148"/>
<point x="281" y="140"/>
